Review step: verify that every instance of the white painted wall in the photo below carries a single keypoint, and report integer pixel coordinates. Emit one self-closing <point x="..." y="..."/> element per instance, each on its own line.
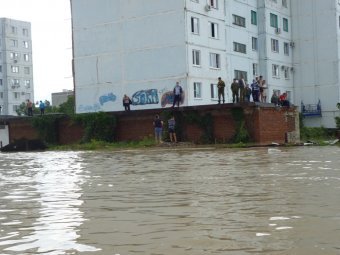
<point x="4" y="136"/>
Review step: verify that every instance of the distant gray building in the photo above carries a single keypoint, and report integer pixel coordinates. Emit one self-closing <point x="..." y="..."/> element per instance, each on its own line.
<point x="16" y="68"/>
<point x="61" y="97"/>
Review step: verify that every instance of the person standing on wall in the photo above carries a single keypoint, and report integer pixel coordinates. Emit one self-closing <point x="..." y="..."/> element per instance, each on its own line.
<point x="126" y="102"/>
<point x="42" y="107"/>
<point x="220" y="87"/>
<point x="158" y="125"/>
<point x="177" y="94"/>
<point x="235" y="90"/>
<point x="242" y="85"/>
<point x="29" y="106"/>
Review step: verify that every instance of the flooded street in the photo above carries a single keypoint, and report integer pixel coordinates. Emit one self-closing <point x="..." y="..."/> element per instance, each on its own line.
<point x="171" y="202"/>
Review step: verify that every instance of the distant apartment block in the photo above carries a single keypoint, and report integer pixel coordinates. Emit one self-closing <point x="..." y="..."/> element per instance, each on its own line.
<point x="142" y="48"/>
<point x="16" y="68"/>
<point x="59" y="98"/>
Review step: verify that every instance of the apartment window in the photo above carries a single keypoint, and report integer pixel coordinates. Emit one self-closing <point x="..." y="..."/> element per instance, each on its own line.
<point x="286" y="48"/>
<point x="25" y="44"/>
<point x="196" y="57"/>
<point x="275" y="45"/>
<point x="286" y="72"/>
<point x="14" y="55"/>
<point x="0" y="69"/>
<point x="273" y="20"/>
<point x="27" y="84"/>
<point x="26" y="70"/>
<point x="285" y="24"/>
<point x="239" y="21"/>
<point x="253" y="17"/>
<point x="14" y="43"/>
<point x="15" y="69"/>
<point x="213" y="30"/>
<point x="254" y="43"/>
<point x="284" y="3"/>
<point x="14" y="30"/>
<point x="213" y="91"/>
<point x="1" y="95"/>
<point x="15" y="82"/>
<point x="197" y="90"/>
<point x="255" y="69"/>
<point x="16" y="107"/>
<point x="0" y="82"/>
<point x="25" y="32"/>
<point x="0" y="55"/>
<point x="194" y="25"/>
<point x="276" y="71"/>
<point x="16" y="95"/>
<point x="239" y="47"/>
<point x="239" y="74"/>
<point x="215" y="60"/>
<point x="213" y="3"/>
<point x="26" y="58"/>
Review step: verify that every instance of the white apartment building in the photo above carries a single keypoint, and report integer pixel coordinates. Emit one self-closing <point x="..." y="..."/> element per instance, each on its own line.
<point x="142" y="48"/>
<point x="16" y="68"/>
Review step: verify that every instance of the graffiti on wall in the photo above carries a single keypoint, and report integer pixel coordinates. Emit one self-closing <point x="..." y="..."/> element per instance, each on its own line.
<point x="89" y="108"/>
<point x="144" y="97"/>
<point x="107" y="98"/>
<point x="168" y="98"/>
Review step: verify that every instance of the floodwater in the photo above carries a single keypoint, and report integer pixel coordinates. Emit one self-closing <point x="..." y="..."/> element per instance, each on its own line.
<point x="171" y="202"/>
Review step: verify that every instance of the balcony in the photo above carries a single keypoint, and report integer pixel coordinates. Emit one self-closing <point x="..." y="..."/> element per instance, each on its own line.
<point x="311" y="110"/>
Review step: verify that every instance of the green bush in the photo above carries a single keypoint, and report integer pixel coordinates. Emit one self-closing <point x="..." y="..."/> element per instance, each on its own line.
<point x="309" y="133"/>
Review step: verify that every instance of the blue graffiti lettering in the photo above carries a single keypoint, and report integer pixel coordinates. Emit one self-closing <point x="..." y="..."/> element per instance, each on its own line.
<point x="144" y="97"/>
<point x="107" y="98"/>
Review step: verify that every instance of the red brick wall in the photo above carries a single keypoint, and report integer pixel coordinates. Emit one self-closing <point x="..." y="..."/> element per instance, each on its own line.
<point x="265" y="124"/>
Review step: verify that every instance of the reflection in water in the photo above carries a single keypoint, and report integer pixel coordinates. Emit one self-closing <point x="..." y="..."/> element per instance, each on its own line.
<point x="253" y="201"/>
<point x="43" y="192"/>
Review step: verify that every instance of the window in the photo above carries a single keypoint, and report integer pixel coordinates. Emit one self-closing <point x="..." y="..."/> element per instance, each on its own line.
<point x="15" y="82"/>
<point x="196" y="57"/>
<point x="273" y="20"/>
<point x="275" y="45"/>
<point x="14" y="43"/>
<point x="26" y="58"/>
<point x="0" y="69"/>
<point x="254" y="43"/>
<point x="197" y="90"/>
<point x="276" y="71"/>
<point x="286" y="72"/>
<point x="26" y="70"/>
<point x="25" y="32"/>
<point x="27" y="84"/>
<point x="213" y="91"/>
<point x="1" y="95"/>
<point x="239" y="74"/>
<point x="255" y="69"/>
<point x="253" y="18"/>
<point x="239" y="21"/>
<point x="194" y="25"/>
<point x="285" y="24"/>
<point x="215" y="60"/>
<point x="284" y="3"/>
<point x="239" y="47"/>
<point x="14" y="55"/>
<point x="213" y="3"/>
<point x="16" y="95"/>
<point x="16" y="107"/>
<point x="25" y="44"/>
<point x="286" y="48"/>
<point x="0" y="82"/>
<point x="15" y="69"/>
<point x="13" y="30"/>
<point x="0" y="55"/>
<point x="214" y="30"/>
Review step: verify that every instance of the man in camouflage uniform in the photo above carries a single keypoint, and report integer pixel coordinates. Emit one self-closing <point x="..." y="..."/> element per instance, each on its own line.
<point x="235" y="90"/>
<point x="220" y="86"/>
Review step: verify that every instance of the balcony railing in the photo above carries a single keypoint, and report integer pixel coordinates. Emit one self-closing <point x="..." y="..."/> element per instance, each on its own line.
<point x="310" y="110"/>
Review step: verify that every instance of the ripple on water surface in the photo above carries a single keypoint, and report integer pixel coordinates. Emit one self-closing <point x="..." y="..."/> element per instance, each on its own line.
<point x="248" y="201"/>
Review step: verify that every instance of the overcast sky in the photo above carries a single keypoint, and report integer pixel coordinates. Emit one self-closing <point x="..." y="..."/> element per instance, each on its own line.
<point x="51" y="41"/>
